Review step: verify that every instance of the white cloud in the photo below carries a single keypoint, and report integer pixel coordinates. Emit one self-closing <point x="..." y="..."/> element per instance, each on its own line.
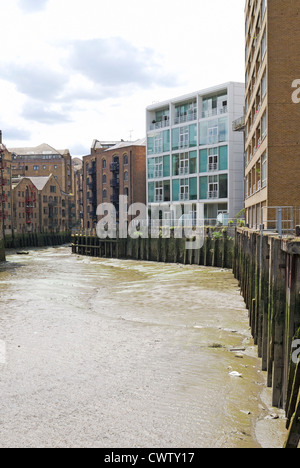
<point x="32" y="6"/>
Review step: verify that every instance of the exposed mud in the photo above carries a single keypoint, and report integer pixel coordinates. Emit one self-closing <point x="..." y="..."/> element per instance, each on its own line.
<point x="110" y="353"/>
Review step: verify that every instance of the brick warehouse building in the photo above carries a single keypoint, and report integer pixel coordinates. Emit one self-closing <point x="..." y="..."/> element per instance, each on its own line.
<point x="42" y="161"/>
<point x="272" y="136"/>
<point x="39" y="205"/>
<point x="119" y="169"/>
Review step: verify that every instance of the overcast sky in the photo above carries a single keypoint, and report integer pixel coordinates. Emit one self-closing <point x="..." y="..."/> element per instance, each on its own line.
<point x="72" y="71"/>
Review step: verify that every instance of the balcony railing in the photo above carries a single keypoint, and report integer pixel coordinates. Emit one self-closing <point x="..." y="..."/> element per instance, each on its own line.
<point x="114" y="167"/>
<point x="212" y="194"/>
<point x="114" y="182"/>
<point x="158" y="198"/>
<point x="184" y="196"/>
<point x="184" y="171"/>
<point x="158" y="173"/>
<point x="213" y="112"/>
<point x="157" y="125"/>
<point x="212" y="167"/>
<point x="114" y="199"/>
<point x="189" y="117"/>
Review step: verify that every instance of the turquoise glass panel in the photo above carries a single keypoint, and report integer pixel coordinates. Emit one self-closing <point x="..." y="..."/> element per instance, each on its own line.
<point x="223" y="158"/>
<point x="203" y="160"/>
<point x="203" y="188"/>
<point x="167" y="166"/>
<point x="193" y="188"/>
<point x="176" y="188"/>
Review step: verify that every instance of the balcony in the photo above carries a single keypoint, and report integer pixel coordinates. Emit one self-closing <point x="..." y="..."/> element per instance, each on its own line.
<point x="184" y="196"/>
<point x="212" y="194"/>
<point x="188" y="117"/>
<point x="115" y="167"/>
<point x="184" y="171"/>
<point x="238" y="125"/>
<point x="158" y="198"/>
<point x="213" y="167"/>
<point x="214" y="112"/>
<point x="115" y="183"/>
<point x="114" y="199"/>
<point x="92" y="170"/>
<point x="158" y="174"/>
<point x="162" y="124"/>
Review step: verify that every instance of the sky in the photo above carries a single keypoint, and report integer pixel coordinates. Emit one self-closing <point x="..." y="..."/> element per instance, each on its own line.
<point x="72" y="71"/>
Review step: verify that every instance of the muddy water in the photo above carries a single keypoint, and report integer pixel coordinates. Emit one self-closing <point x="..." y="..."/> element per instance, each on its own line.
<point x="109" y="353"/>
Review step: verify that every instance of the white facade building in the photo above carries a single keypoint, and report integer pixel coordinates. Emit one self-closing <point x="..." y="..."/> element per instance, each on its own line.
<point x="193" y="155"/>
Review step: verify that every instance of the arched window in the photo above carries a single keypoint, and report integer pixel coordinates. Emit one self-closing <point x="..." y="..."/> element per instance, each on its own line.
<point x="103" y="163"/>
<point x="104" y="193"/>
<point x="126" y="176"/>
<point x="125" y="159"/>
<point x="104" y="179"/>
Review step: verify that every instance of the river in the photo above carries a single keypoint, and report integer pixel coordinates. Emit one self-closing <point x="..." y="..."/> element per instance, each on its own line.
<point x="111" y="353"/>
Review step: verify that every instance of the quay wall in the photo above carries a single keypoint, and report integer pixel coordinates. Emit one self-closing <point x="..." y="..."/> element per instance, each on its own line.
<point x="19" y="241"/>
<point x="2" y="250"/>
<point x="216" y="252"/>
<point x="268" y="270"/>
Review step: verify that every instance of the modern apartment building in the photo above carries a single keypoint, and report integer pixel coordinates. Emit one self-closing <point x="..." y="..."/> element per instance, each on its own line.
<point x="272" y="159"/>
<point x="193" y="154"/>
<point x="39" y="205"/>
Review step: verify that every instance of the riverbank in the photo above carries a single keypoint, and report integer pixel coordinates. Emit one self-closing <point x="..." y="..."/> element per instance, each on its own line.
<point x="114" y="353"/>
<point x="43" y="239"/>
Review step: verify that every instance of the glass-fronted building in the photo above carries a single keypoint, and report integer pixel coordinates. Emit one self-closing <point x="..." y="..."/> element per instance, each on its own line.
<point x="193" y="155"/>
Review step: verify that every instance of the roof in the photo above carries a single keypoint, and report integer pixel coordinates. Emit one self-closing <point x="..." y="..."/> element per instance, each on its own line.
<point x="38" y="182"/>
<point x="125" y="144"/>
<point x="41" y="149"/>
<point x="103" y="144"/>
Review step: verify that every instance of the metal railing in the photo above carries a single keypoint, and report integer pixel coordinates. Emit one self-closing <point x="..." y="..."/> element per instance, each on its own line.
<point x="280" y="219"/>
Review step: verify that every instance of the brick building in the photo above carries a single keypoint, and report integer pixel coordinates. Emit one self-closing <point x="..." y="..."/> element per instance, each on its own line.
<point x="113" y="169"/>
<point x="272" y="154"/>
<point x="90" y="179"/>
<point x="6" y="204"/>
<point x="39" y="205"/>
<point x="42" y="161"/>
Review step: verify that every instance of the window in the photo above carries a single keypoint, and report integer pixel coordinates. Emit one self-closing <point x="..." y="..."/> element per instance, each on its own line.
<point x="36" y="168"/>
<point x="52" y="189"/>
<point x="264" y="85"/>
<point x="125" y="159"/>
<point x="184" y="137"/>
<point x="264" y="170"/>
<point x="213" y="159"/>
<point x="126" y="176"/>
<point x="104" y="179"/>
<point x="159" y="191"/>
<point x="184" y="189"/>
<point x="184" y="164"/>
<point x="213" y="187"/>
<point x="158" y="170"/>
<point x="264" y="45"/>
<point x="158" y="144"/>
<point x="104" y="193"/>
<point x="103" y="163"/>
<point x="264" y="125"/>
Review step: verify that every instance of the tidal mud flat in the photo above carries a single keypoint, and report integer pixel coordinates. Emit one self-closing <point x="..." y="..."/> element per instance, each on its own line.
<point x="112" y="353"/>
